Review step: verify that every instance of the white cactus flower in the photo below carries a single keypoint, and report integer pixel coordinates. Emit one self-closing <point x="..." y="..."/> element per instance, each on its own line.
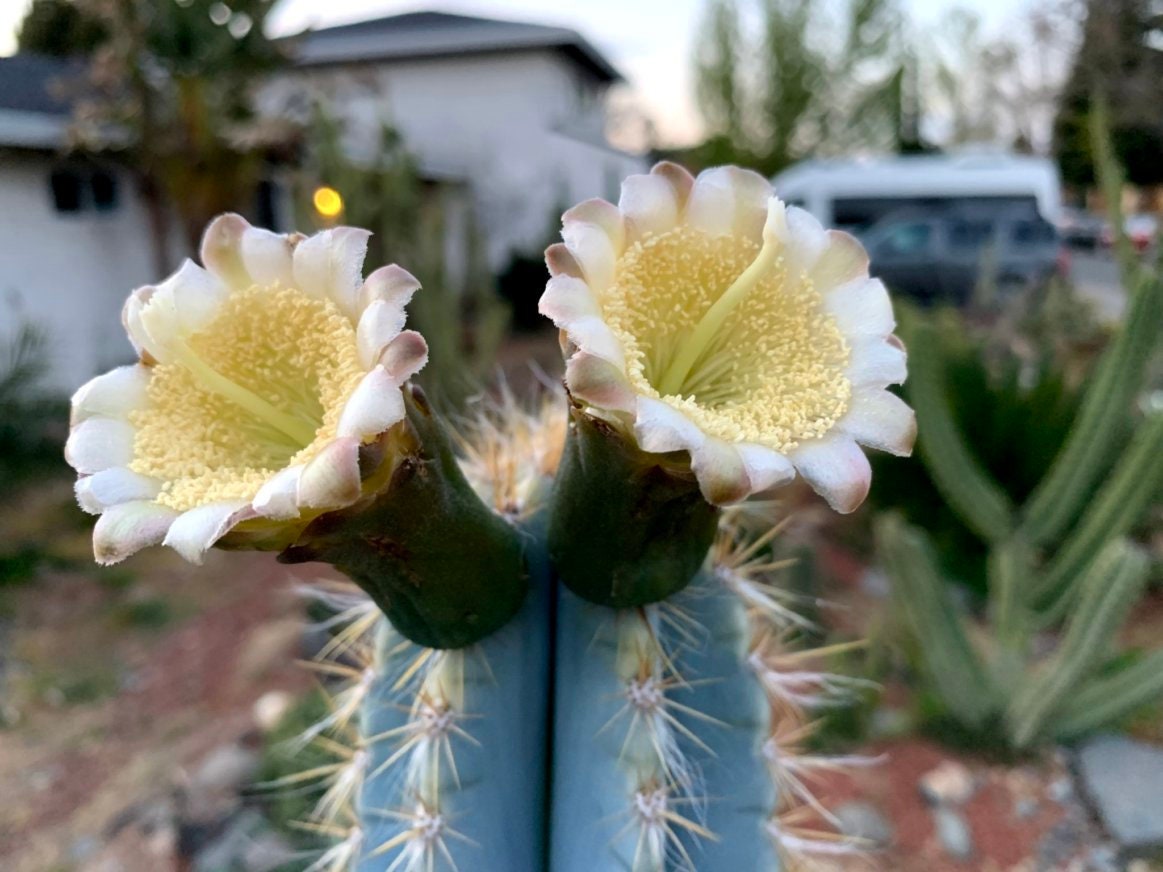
<point x="260" y="377"/>
<point x="703" y="315"/>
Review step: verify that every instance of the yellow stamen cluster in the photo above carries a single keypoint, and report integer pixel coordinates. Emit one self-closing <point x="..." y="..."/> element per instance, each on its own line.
<point x="774" y="373"/>
<point x="296" y="353"/>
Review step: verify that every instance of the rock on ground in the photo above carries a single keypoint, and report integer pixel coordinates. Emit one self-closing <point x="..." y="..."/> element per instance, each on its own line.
<point x="1123" y="780"/>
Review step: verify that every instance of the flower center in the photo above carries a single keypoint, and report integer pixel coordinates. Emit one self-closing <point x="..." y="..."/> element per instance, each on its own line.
<point x="716" y="326"/>
<point x="260" y="388"/>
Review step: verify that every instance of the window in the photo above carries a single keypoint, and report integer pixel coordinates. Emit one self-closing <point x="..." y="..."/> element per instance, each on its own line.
<point x="66" y="190"/>
<point x="969" y="235"/>
<point x="1031" y="232"/>
<point x="905" y="240"/>
<point x="80" y="188"/>
<point x="104" y="188"/>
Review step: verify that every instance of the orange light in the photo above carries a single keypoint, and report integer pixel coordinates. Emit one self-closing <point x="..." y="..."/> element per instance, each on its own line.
<point x="328" y="202"/>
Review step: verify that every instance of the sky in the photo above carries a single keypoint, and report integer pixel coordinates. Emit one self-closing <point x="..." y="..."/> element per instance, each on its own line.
<point x="650" y="41"/>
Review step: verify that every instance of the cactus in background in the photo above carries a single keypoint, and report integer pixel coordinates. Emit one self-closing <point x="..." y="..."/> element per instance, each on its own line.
<point x="1062" y="555"/>
<point x="718" y="343"/>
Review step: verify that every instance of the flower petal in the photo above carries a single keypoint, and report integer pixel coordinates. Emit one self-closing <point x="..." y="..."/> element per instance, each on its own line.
<point x="559" y="261"/>
<point x="405" y="356"/>
<point x="881" y="420"/>
<point x="649" y="204"/>
<point x="278" y="498"/>
<point x="861" y="308"/>
<point x="111" y="395"/>
<point x="836" y="469"/>
<point x="222" y="249"/>
<point x="592" y="334"/>
<point x="729" y="200"/>
<point x="660" y="427"/>
<point x="598" y="381"/>
<point x="332" y="479"/>
<point x="110" y="487"/>
<point x="874" y="362"/>
<point x="766" y="468"/>
<point x="374" y="406"/>
<point x="184" y="303"/>
<point x="379" y="324"/>
<point x="96" y="444"/>
<point x="720" y="471"/>
<point x="126" y="528"/>
<point x="600" y="214"/>
<point x="594" y="251"/>
<point x="266" y="256"/>
<point x="843" y="260"/>
<point x="194" y="532"/>
<point x="804" y="240"/>
<point x="679" y="179"/>
<point x="329" y="265"/>
<point x="566" y="299"/>
<point x="392" y="284"/>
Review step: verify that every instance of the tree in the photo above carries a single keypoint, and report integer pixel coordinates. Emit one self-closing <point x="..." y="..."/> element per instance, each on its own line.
<point x="807" y="83"/>
<point x="59" y="28"/>
<point x="1118" y="58"/>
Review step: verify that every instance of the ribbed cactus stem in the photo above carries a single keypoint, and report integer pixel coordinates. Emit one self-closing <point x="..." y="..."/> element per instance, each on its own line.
<point x="455" y="749"/>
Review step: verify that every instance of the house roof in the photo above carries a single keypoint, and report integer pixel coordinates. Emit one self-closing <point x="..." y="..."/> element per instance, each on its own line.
<point x="441" y="34"/>
<point x="34" y="110"/>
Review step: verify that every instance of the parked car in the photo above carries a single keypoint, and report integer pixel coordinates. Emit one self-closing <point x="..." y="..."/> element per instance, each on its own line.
<point x="1141" y="229"/>
<point x="1081" y="229"/>
<point x="944" y="255"/>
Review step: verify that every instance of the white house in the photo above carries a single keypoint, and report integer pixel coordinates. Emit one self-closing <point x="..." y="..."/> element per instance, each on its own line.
<point x="510" y="114"/>
<point x="515" y="110"/>
<point x="72" y="231"/>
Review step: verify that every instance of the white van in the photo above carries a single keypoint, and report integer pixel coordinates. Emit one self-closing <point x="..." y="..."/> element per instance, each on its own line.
<point x="854" y="194"/>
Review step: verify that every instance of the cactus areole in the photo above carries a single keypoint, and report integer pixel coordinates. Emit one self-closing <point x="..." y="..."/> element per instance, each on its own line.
<point x="445" y="569"/>
<point x="626" y="528"/>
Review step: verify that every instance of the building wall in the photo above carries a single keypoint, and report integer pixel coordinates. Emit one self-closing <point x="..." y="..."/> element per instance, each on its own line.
<point x="68" y="272"/>
<point x="524" y="128"/>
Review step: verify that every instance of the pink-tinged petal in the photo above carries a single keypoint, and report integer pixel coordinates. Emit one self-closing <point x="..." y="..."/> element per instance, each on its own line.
<point x="392" y="283"/>
<point x="329" y="265"/>
<point x="131" y="320"/>
<point x="194" y="532"/>
<point x="599" y="382"/>
<point x="222" y="249"/>
<point x="331" y="479"/>
<point x="601" y="214"/>
<point x="836" y="469"/>
<point x="379" y="324"/>
<point x="721" y="473"/>
<point x="649" y="204"/>
<point x="97" y="444"/>
<point x="660" y="427"/>
<point x="278" y="498"/>
<point x="110" y="487"/>
<point x="843" y="260"/>
<point x="874" y="362"/>
<point x="111" y="395"/>
<point x="729" y="200"/>
<point x="881" y="420"/>
<point x="594" y="251"/>
<point x="804" y="240"/>
<point x="375" y="405"/>
<point x="126" y="528"/>
<point x="679" y="179"/>
<point x="559" y="261"/>
<point x="766" y="468"/>
<point x="405" y="356"/>
<point x="266" y="257"/>
<point x="566" y="299"/>
<point x="592" y="334"/>
<point x="861" y="308"/>
<point x="183" y="304"/>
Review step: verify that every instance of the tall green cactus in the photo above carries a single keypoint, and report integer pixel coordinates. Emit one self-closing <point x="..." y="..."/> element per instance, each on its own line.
<point x="1061" y="555"/>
